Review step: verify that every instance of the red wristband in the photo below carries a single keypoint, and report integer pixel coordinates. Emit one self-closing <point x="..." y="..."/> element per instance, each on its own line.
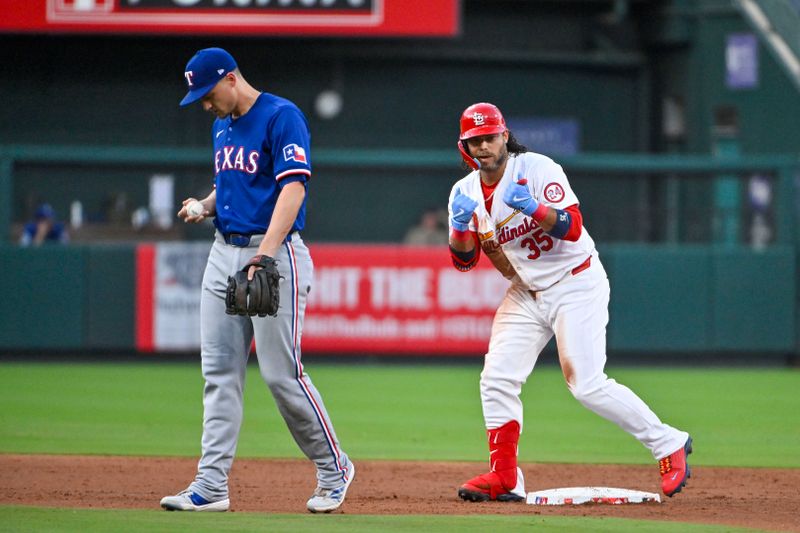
<point x="461" y="236"/>
<point x="540" y="212"/>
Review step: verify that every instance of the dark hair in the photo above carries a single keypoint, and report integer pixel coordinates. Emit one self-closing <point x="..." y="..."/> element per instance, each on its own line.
<point x="513" y="145"/>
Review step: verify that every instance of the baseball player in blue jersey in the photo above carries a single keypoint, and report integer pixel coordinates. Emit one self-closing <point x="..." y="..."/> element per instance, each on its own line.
<point x="262" y="166"/>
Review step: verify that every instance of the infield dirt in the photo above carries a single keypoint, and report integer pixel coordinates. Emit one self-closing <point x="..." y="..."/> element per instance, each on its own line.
<point x="758" y="498"/>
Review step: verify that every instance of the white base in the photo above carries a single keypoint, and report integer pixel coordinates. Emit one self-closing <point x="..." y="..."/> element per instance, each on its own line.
<point x="580" y="495"/>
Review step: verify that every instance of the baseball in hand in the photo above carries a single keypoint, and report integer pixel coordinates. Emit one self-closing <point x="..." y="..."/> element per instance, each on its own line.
<point x="195" y="208"/>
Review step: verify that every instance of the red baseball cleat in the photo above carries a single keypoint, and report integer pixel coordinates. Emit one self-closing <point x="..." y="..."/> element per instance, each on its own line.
<point x="504" y="483"/>
<point x="489" y="486"/>
<point x="674" y="469"/>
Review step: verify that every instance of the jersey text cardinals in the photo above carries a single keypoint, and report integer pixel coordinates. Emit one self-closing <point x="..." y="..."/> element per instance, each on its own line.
<point x="539" y="260"/>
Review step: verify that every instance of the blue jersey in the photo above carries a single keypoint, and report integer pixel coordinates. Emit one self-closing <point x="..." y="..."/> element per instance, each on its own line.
<point x="255" y="155"/>
<point x="57" y="233"/>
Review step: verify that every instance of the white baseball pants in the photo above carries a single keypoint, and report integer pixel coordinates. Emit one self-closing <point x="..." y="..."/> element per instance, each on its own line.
<point x="575" y="310"/>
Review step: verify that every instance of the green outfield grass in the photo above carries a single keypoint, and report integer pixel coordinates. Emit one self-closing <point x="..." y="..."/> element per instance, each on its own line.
<point x="738" y="417"/>
<point x="87" y="521"/>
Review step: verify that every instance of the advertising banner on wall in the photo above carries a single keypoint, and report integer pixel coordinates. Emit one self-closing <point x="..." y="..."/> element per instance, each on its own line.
<point x="390" y="299"/>
<point x="168" y="277"/>
<point x="365" y="299"/>
<point x="352" y="18"/>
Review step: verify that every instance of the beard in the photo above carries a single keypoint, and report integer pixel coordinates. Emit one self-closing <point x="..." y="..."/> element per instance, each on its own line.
<point x="499" y="162"/>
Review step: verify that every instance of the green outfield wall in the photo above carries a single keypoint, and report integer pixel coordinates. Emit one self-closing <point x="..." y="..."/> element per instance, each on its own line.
<point x="695" y="264"/>
<point x="676" y="234"/>
<point x="67" y="298"/>
<point x="664" y="298"/>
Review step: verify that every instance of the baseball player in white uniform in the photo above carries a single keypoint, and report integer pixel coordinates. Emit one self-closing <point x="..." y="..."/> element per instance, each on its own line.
<point x="519" y="209"/>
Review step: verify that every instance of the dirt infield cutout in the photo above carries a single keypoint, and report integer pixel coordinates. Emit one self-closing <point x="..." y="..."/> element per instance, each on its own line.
<point x="762" y="498"/>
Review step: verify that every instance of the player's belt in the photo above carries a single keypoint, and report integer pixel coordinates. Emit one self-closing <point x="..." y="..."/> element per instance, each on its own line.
<point x="575" y="271"/>
<point x="583" y="266"/>
<point x="239" y="240"/>
<point x="243" y="240"/>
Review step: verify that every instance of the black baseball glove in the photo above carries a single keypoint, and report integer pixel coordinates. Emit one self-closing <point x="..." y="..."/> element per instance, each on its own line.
<point x="258" y="296"/>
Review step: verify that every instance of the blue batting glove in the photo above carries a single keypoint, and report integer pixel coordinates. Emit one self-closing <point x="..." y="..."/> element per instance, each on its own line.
<point x="519" y="197"/>
<point x="463" y="207"/>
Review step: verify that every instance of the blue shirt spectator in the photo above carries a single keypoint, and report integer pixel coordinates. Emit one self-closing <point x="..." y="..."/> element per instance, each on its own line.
<point x="44" y="228"/>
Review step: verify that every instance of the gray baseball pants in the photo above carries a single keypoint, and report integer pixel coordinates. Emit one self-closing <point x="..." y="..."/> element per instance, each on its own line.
<point x="225" y="347"/>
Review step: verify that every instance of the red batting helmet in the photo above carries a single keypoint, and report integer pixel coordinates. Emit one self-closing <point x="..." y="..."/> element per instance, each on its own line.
<point x="479" y="119"/>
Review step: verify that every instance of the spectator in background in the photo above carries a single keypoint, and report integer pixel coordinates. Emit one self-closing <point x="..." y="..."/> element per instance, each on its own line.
<point x="44" y="228"/>
<point x="431" y="229"/>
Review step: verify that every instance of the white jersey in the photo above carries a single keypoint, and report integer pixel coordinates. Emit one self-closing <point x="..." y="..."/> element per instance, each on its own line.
<point x="535" y="259"/>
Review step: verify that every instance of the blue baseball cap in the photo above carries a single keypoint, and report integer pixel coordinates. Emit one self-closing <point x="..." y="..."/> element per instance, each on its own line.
<point x="204" y="70"/>
<point x="44" y="212"/>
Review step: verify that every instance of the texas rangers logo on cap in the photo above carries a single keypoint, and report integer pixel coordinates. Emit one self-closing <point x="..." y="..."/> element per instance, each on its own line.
<point x="295" y="153"/>
<point x="478" y="118"/>
<point x="203" y="72"/>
